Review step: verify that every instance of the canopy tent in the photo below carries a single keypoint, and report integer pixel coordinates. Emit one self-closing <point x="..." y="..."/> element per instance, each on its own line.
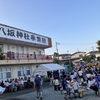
<point x="43" y="68"/>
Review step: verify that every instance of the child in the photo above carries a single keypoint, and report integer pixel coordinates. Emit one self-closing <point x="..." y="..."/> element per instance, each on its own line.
<point x="72" y="88"/>
<point x="76" y="87"/>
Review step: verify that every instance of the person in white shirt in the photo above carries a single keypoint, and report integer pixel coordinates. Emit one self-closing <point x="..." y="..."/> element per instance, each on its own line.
<point x="76" y="86"/>
<point x="75" y="74"/>
<point x="21" y="83"/>
<point x="6" y="83"/>
<point x="72" y="76"/>
<point x="92" y="85"/>
<point x="56" y="83"/>
<point x="32" y="79"/>
<point x="88" y="75"/>
<point x="80" y="73"/>
<point x="14" y="85"/>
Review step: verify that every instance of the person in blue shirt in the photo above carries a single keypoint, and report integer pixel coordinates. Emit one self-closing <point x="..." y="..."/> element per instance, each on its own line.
<point x="64" y="85"/>
<point x="38" y="86"/>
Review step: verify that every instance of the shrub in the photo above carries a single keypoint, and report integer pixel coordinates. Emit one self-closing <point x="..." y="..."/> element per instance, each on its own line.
<point x="2" y="57"/>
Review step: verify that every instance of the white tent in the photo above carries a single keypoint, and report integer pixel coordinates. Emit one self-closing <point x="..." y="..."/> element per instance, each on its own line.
<point x="43" y="68"/>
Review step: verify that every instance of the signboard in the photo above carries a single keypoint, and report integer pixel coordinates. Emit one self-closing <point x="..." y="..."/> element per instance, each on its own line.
<point x="17" y="34"/>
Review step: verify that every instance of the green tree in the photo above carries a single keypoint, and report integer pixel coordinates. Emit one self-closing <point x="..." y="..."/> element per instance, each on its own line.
<point x="0" y="50"/>
<point x="55" y="60"/>
<point x="92" y="57"/>
<point x="2" y="57"/>
<point x="86" y="58"/>
<point x="98" y="58"/>
<point x="98" y="43"/>
<point x="68" y="63"/>
<point x="55" y="54"/>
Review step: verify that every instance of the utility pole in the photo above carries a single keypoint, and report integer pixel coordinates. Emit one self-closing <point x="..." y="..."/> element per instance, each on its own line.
<point x="57" y="48"/>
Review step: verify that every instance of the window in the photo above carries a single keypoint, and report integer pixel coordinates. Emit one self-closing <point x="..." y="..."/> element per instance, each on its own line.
<point x="23" y="70"/>
<point x="5" y="73"/>
<point x="1" y="75"/>
<point x="8" y="75"/>
<point x="17" y="49"/>
<point x="80" y="55"/>
<point x="22" y="49"/>
<point x="39" y="52"/>
<point x="34" y="53"/>
<point x="8" y="47"/>
<point x="27" y="50"/>
<point x="28" y="72"/>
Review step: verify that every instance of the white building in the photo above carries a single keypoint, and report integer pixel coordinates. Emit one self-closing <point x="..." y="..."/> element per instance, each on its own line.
<point x="23" y="51"/>
<point x="96" y="53"/>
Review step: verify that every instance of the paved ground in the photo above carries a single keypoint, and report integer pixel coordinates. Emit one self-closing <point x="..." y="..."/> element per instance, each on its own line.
<point x="10" y="95"/>
<point x="49" y="94"/>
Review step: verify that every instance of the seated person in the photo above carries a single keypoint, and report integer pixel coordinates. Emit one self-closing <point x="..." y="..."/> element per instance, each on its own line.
<point x="14" y="85"/>
<point x="92" y="85"/>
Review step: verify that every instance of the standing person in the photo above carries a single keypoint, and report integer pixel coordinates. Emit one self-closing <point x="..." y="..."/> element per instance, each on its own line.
<point x="66" y="87"/>
<point x="38" y="86"/>
<point x="56" y="84"/>
<point x="51" y="81"/>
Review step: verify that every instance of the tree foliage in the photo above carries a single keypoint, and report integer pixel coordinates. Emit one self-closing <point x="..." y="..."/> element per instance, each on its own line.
<point x="92" y="57"/>
<point x="55" y="54"/>
<point x="89" y="58"/>
<point x="98" y="43"/>
<point x="68" y="63"/>
<point x="2" y="57"/>
<point x="0" y="50"/>
<point x="98" y="58"/>
<point x="55" y="60"/>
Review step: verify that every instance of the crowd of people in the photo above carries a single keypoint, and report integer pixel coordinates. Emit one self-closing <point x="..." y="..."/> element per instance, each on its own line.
<point x="10" y="85"/>
<point x="83" y="78"/>
<point x="71" y="83"/>
<point x="22" y="83"/>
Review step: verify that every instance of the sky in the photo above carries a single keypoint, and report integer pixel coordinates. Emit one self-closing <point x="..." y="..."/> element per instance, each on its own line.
<point x="74" y="24"/>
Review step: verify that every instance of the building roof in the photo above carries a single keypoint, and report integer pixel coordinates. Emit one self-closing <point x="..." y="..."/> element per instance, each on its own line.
<point x="76" y="58"/>
<point x="93" y="52"/>
<point x="78" y="52"/>
<point x="64" y="54"/>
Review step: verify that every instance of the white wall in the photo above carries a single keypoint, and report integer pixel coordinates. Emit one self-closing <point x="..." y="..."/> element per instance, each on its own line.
<point x="31" y="50"/>
<point x="77" y="55"/>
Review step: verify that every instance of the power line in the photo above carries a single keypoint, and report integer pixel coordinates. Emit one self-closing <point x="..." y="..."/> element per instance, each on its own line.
<point x="78" y="43"/>
<point x="52" y="49"/>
